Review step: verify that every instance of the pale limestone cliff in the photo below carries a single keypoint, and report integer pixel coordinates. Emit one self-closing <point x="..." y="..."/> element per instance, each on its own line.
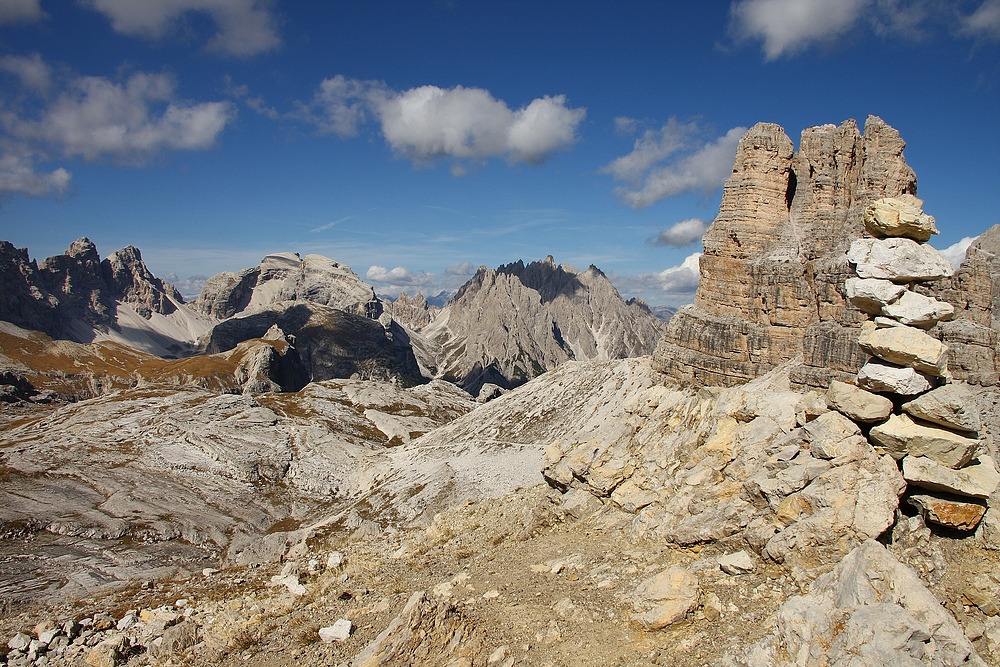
<point x="284" y="276"/>
<point x="774" y="264"/>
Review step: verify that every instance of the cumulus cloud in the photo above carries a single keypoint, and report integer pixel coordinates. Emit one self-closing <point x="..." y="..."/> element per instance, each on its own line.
<point x="427" y="123"/>
<point x="465" y="269"/>
<point x="680" y="234"/>
<point x="787" y="27"/>
<point x="21" y="11"/>
<point x="702" y="170"/>
<point x="131" y="121"/>
<point x="955" y="253"/>
<point x="245" y="27"/>
<point x="19" y="174"/>
<point x="401" y="278"/>
<point x="984" y="22"/>
<point x="33" y="73"/>
<point x="676" y="284"/>
<point x="92" y="118"/>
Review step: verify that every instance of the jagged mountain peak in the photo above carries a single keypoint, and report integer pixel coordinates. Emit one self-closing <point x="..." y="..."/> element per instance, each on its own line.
<point x="507" y="325"/>
<point x="80" y="297"/>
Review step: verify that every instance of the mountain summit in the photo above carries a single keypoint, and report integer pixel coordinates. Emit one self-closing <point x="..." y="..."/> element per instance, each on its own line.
<point x="508" y="325"/>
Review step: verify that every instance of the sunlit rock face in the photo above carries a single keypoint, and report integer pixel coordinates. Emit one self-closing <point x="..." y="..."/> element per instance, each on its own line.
<point x="775" y="263"/>
<point x="509" y="325"/>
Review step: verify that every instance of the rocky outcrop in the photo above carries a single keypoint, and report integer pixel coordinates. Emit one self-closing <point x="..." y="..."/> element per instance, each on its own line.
<point x="331" y="343"/>
<point x="285" y="276"/>
<point x="869" y="611"/>
<point x="773" y="269"/>
<point x="509" y="325"/>
<point x="131" y="282"/>
<point x="412" y="312"/>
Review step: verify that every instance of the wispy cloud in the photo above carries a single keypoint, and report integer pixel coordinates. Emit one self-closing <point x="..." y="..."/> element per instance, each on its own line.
<point x="984" y="22"/>
<point x="323" y="228"/>
<point x="680" y="234"/>
<point x="245" y="27"/>
<point x="670" y="162"/>
<point x="788" y="27"/>
<point x="429" y="123"/>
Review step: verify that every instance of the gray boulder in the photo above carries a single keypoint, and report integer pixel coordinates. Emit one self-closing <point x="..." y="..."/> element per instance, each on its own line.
<point x="899" y="260"/>
<point x="870" y="611"/>
<point x="951" y="406"/>
<point x="878" y="375"/>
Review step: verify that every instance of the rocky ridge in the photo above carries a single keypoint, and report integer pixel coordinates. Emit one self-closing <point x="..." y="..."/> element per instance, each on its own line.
<point x="79" y="297"/>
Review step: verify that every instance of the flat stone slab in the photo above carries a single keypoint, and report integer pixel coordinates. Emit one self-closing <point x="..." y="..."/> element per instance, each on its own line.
<point x="858" y="404"/>
<point x="977" y="480"/>
<point x="672" y="594"/>
<point x="737" y="563"/>
<point x="899" y="260"/>
<point x="950" y="405"/>
<point x="901" y="436"/>
<point x="900" y="216"/>
<point x="917" y="310"/>
<point x="905" y="346"/>
<point x="871" y="294"/>
<point x="949" y="513"/>
<point x="878" y="375"/>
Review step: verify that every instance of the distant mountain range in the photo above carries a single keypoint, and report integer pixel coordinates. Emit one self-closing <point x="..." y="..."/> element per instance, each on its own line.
<point x="502" y="327"/>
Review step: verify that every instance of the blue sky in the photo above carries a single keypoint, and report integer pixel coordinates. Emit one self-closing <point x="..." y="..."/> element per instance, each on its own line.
<point x="415" y="141"/>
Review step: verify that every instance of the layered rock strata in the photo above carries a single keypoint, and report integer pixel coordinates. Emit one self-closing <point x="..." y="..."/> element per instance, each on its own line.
<point x="773" y="266"/>
<point x="774" y="272"/>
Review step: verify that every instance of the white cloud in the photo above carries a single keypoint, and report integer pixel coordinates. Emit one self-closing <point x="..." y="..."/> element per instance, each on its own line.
<point x="245" y="27"/>
<point x="788" y="26"/>
<point x="704" y="170"/>
<point x="465" y="269"/>
<point x="394" y="281"/>
<point x="131" y="122"/>
<point x="650" y="148"/>
<point x="955" y="253"/>
<point x="680" y="234"/>
<point x="399" y="276"/>
<point x="429" y="123"/>
<point x="20" y="11"/>
<point x="32" y="71"/>
<point x="984" y="22"/>
<point x="676" y="284"/>
<point x="18" y="174"/>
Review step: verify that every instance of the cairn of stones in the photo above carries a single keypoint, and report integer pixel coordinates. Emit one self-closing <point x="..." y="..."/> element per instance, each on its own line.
<point x="904" y="394"/>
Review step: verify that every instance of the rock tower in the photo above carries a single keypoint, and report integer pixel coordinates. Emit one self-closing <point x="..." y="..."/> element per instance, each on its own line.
<point x="775" y="265"/>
